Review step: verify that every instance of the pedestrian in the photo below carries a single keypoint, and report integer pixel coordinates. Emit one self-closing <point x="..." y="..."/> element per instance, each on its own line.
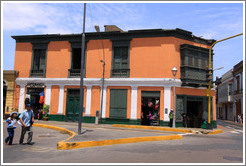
<point x="11" y="128"/>
<point x="239" y="118"/>
<point x="150" y="119"/>
<point x="26" y="120"/>
<point x="171" y="118"/>
<point x="184" y="119"/>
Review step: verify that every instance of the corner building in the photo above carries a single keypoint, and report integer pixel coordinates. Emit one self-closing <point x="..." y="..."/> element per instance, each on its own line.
<point x="138" y="70"/>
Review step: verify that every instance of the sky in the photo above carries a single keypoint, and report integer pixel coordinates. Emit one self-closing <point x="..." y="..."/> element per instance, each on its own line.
<point x="208" y="20"/>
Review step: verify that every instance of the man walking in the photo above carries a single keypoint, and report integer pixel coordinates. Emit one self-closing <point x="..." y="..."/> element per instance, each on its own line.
<point x="27" y="119"/>
<point x="171" y="118"/>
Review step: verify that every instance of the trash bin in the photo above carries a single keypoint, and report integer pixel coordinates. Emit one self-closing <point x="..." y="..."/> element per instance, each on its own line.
<point x="97" y="117"/>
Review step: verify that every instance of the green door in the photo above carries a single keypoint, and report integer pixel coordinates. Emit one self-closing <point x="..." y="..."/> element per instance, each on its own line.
<point x="72" y="105"/>
<point x="118" y="103"/>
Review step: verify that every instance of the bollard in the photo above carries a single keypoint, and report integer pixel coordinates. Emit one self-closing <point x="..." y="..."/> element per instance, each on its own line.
<point x="97" y="117"/>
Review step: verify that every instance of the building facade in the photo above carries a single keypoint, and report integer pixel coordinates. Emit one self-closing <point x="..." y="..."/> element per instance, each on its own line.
<point x="137" y="71"/>
<point x="9" y="77"/>
<point x="238" y="91"/>
<point x="225" y="92"/>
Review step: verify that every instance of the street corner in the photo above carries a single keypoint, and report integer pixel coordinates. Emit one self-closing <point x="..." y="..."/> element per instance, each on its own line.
<point x="87" y="144"/>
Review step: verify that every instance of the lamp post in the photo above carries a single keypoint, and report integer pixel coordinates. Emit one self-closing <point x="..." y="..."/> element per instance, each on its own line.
<point x="81" y="98"/>
<point x="174" y="71"/>
<point x="210" y="77"/>
<point x="102" y="61"/>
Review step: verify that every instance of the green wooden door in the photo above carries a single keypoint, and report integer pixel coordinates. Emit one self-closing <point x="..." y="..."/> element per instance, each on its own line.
<point x="72" y="105"/>
<point x="118" y="103"/>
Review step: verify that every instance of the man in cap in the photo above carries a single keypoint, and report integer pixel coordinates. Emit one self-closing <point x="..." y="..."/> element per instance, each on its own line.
<point x="27" y="119"/>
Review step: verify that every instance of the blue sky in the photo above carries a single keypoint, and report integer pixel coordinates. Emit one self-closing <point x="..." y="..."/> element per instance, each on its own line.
<point x="209" y="20"/>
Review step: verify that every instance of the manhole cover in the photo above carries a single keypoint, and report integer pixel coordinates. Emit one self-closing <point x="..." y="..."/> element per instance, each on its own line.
<point x="231" y="158"/>
<point x="37" y="149"/>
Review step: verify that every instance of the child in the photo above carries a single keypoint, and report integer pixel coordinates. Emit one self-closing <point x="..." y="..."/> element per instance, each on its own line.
<point x="11" y="121"/>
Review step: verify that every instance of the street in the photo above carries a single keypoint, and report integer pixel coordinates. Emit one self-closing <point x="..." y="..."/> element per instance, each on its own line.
<point x="226" y="147"/>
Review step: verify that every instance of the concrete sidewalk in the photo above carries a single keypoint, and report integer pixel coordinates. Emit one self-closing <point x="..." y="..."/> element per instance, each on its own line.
<point x="101" y="135"/>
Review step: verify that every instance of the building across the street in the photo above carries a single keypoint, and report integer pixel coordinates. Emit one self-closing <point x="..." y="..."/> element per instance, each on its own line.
<point x="238" y="91"/>
<point x="137" y="71"/>
<point x="230" y="94"/>
<point x="225" y="92"/>
<point x="9" y="77"/>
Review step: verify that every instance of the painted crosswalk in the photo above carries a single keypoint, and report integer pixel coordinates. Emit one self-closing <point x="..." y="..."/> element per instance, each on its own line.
<point x="237" y="132"/>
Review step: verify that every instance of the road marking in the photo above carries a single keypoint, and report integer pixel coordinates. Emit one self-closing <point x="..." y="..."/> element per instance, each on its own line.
<point x="229" y="127"/>
<point x="236" y="132"/>
<point x="185" y="134"/>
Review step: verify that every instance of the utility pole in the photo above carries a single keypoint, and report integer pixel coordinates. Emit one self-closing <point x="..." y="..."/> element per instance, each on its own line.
<point x="82" y="75"/>
<point x="210" y="78"/>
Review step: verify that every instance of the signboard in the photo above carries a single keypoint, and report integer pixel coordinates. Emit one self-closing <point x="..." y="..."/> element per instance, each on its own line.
<point x="34" y="84"/>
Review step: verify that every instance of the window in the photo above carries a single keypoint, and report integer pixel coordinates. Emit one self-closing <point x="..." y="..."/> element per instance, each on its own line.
<point x="120" y="59"/>
<point x="38" y="68"/>
<point x="75" y="67"/>
<point x="194" y="62"/>
<point x="118" y="103"/>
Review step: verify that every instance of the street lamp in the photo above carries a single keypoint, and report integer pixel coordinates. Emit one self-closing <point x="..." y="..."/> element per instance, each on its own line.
<point x="210" y="79"/>
<point x="102" y="61"/>
<point x="174" y="71"/>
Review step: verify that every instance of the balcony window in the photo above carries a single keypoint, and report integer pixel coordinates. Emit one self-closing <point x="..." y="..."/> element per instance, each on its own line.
<point x="38" y="68"/>
<point x="120" y="58"/>
<point x="194" y="63"/>
<point x="75" y="68"/>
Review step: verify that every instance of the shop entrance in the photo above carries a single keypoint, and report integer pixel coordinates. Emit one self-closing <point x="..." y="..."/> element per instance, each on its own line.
<point x="150" y="104"/>
<point x="194" y="113"/>
<point x="33" y="98"/>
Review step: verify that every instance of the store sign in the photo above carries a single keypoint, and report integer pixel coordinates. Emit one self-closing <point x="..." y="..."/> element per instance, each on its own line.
<point x="32" y="84"/>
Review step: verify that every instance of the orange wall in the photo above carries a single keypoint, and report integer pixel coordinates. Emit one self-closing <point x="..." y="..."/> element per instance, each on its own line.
<point x="155" y="57"/>
<point x="94" y="68"/>
<point x="58" y="59"/>
<point x="16" y="97"/>
<point x="128" y="99"/>
<point x="23" y="59"/>
<point x="65" y="97"/>
<point x="54" y="99"/>
<point x="139" y="108"/>
<point x="95" y="100"/>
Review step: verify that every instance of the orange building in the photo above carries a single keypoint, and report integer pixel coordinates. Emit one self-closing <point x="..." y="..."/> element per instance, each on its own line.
<point x="137" y="71"/>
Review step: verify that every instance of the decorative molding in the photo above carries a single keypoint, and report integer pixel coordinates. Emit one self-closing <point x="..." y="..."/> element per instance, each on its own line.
<point x="166" y="82"/>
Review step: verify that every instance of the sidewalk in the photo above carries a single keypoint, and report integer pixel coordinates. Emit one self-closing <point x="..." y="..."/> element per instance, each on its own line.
<point x="232" y="122"/>
<point x="101" y="135"/>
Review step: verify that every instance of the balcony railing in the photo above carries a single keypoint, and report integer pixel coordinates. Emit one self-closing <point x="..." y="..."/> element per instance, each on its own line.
<point x="37" y="73"/>
<point x="120" y="72"/>
<point x="239" y="91"/>
<point x="74" y="72"/>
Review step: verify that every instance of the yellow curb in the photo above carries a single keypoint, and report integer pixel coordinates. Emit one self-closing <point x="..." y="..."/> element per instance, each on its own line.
<point x="62" y="145"/>
<point x="154" y="128"/>
<point x="66" y="131"/>
<point x="86" y="144"/>
<point x="218" y="131"/>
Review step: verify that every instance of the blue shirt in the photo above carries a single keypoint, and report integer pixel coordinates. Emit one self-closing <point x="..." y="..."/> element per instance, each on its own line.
<point x="26" y="117"/>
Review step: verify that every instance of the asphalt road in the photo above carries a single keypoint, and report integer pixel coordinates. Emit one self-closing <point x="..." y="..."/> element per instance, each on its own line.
<point x="226" y="147"/>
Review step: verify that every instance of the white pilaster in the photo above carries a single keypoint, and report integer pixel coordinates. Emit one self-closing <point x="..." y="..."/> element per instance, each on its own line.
<point x="61" y="96"/>
<point x="47" y="94"/>
<point x="21" y="98"/>
<point x="104" y="102"/>
<point x="134" y="96"/>
<point x="167" y="102"/>
<point x="88" y="101"/>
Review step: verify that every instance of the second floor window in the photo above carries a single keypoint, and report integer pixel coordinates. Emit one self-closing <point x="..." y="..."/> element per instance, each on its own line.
<point x="120" y="59"/>
<point x="38" y="68"/>
<point x="75" y="67"/>
<point x="39" y="59"/>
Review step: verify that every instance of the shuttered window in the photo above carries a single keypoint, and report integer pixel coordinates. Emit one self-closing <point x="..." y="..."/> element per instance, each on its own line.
<point x="118" y="103"/>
